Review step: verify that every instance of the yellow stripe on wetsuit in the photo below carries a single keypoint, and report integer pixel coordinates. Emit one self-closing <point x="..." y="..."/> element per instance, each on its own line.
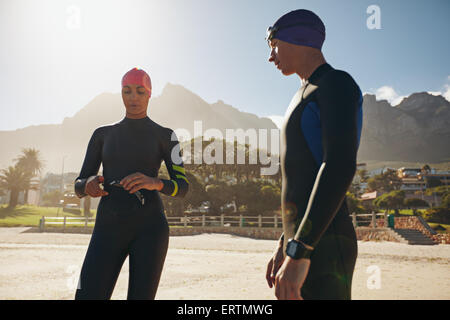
<point x="179" y="169"/>
<point x="182" y="177"/>
<point x="182" y="171"/>
<point x="175" y="189"/>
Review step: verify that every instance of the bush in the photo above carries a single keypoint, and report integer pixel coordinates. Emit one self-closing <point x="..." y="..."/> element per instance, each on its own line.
<point x="437" y="215"/>
<point x="72" y="210"/>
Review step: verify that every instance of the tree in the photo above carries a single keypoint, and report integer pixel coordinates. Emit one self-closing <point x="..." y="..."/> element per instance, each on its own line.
<point x="269" y="200"/>
<point x="392" y="200"/>
<point x="439" y="191"/>
<point x="415" y="203"/>
<point x="196" y="194"/>
<point x="355" y="188"/>
<point x="384" y="182"/>
<point x="219" y="194"/>
<point x="363" y="175"/>
<point x="440" y="214"/>
<point x="31" y="163"/>
<point x="353" y="203"/>
<point x="14" y="179"/>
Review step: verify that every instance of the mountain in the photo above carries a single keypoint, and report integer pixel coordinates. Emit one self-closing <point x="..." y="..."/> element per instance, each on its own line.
<point x="416" y="130"/>
<point x="175" y="108"/>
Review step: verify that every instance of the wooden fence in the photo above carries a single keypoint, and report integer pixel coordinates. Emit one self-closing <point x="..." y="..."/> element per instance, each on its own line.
<point x="359" y="220"/>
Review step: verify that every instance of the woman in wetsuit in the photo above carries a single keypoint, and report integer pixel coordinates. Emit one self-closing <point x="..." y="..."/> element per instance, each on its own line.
<point x="130" y="217"/>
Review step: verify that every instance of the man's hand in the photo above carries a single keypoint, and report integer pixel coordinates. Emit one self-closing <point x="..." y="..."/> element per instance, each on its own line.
<point x="274" y="264"/>
<point x="138" y="181"/>
<point x="290" y="278"/>
<point x="92" y="187"/>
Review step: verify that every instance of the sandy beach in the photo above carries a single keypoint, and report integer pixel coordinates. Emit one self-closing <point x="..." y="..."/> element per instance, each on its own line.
<point x="214" y="266"/>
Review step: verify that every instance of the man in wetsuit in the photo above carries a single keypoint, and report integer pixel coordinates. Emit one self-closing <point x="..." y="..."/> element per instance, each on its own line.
<point x="130" y="216"/>
<point x="320" y="136"/>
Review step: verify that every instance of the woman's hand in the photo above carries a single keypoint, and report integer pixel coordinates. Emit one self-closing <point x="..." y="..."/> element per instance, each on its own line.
<point x="137" y="181"/>
<point x="274" y="265"/>
<point x="92" y="187"/>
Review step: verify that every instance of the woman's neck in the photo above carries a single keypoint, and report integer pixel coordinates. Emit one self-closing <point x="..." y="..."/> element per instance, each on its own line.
<point x="136" y="116"/>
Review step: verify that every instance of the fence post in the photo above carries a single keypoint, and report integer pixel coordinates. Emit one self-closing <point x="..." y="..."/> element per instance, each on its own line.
<point x="42" y="225"/>
<point x="354" y="220"/>
<point x="64" y="227"/>
<point x="185" y="221"/>
<point x="222" y="220"/>
<point x="276" y="221"/>
<point x="259" y="221"/>
<point x="240" y="221"/>
<point x="203" y="220"/>
<point x="374" y="219"/>
<point x="385" y="220"/>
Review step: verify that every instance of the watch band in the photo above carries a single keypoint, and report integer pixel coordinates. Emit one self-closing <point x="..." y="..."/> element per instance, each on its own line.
<point x="298" y="250"/>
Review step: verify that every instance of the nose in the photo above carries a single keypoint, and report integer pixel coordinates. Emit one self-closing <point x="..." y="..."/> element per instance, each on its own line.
<point x="272" y="55"/>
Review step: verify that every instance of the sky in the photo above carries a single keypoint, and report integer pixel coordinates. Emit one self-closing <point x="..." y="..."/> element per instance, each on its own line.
<point x="57" y="55"/>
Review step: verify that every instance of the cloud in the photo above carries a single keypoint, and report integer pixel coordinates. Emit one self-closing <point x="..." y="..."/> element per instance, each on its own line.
<point x="389" y="94"/>
<point x="446" y="94"/>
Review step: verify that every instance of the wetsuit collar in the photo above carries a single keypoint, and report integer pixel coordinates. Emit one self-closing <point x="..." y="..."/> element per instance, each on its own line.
<point x="319" y="72"/>
<point x="135" y="121"/>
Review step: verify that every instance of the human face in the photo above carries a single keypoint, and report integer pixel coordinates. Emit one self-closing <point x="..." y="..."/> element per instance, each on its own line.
<point x="135" y="98"/>
<point x="282" y="55"/>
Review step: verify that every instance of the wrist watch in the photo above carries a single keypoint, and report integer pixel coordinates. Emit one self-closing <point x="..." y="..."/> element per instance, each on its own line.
<point x="298" y="250"/>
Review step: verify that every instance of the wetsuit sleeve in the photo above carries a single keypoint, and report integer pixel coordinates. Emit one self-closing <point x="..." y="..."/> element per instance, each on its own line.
<point x="178" y="185"/>
<point x="337" y="98"/>
<point x="91" y="163"/>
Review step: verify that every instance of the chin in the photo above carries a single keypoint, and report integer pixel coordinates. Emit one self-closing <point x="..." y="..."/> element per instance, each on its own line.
<point x="287" y="72"/>
<point x="134" y="111"/>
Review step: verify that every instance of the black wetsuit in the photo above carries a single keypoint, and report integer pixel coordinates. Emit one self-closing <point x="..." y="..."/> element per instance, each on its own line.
<point x="322" y="124"/>
<point x="123" y="225"/>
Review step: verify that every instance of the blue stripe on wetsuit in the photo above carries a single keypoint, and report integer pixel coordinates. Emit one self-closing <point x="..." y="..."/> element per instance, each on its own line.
<point x="311" y="128"/>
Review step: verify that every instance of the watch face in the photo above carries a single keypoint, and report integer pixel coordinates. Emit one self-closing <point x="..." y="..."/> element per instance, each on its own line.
<point x="290" y="250"/>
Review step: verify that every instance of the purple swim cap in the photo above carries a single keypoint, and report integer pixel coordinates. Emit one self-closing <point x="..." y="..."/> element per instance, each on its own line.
<point x="300" y="27"/>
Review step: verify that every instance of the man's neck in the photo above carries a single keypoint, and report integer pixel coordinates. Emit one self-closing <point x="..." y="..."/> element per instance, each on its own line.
<point x="314" y="62"/>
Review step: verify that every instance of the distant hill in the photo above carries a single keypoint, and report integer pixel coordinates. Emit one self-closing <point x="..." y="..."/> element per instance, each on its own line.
<point x="416" y="130"/>
<point x="176" y="107"/>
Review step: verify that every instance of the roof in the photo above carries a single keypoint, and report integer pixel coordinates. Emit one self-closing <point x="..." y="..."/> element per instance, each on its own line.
<point x="369" y="195"/>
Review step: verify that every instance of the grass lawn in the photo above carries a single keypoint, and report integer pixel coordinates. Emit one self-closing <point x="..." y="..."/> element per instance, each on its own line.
<point x="29" y="216"/>
<point x="407" y="212"/>
<point x="446" y="226"/>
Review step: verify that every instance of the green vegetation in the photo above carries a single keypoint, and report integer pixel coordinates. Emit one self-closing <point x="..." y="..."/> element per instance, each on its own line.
<point x="392" y="200"/>
<point x="29" y="216"/>
<point x="19" y="177"/>
<point x="385" y="182"/>
<point x="440" y="225"/>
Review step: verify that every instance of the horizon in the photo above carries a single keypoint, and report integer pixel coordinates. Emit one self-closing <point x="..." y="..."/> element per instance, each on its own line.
<point x="277" y="122"/>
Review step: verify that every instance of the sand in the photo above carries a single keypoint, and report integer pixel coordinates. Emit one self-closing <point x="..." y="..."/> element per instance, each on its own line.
<point x="214" y="266"/>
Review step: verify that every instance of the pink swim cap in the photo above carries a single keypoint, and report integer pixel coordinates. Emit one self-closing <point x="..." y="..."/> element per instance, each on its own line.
<point x="139" y="77"/>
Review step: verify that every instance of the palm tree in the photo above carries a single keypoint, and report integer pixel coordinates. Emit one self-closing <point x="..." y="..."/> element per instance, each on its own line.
<point x="31" y="163"/>
<point x="14" y="179"/>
